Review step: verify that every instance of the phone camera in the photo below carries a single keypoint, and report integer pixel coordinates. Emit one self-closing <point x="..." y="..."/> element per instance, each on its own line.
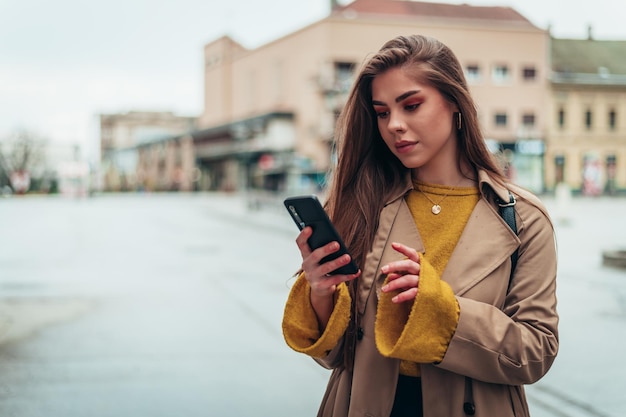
<point x="296" y="217"/>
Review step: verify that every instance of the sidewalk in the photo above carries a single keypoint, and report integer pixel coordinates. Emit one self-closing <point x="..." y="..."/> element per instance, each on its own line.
<point x="96" y="270"/>
<point x="23" y="317"/>
<point x="268" y="212"/>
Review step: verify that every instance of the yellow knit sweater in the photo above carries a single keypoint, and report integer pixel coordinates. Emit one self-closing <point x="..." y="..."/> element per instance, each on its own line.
<point x="417" y="332"/>
<point x="440" y="234"/>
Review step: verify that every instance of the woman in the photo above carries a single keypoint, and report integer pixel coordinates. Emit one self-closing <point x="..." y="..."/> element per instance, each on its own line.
<point x="452" y="312"/>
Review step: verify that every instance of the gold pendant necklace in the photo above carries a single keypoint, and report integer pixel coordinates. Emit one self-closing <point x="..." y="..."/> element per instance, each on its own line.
<point x="436" y="208"/>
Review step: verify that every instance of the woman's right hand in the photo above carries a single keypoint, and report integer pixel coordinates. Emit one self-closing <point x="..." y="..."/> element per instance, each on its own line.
<point x="323" y="285"/>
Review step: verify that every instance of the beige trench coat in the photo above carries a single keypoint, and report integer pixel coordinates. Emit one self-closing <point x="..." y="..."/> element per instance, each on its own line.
<point x="503" y="340"/>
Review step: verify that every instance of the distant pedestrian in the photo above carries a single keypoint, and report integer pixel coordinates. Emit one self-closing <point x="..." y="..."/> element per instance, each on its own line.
<point x="452" y="311"/>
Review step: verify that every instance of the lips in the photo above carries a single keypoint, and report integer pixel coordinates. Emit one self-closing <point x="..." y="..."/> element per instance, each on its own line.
<point x="404" y="146"/>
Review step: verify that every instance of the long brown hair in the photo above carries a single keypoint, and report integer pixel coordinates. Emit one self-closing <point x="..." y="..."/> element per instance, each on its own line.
<point x="367" y="174"/>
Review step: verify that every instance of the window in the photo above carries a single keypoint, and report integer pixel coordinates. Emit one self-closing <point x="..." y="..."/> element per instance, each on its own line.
<point x="588" y="119"/>
<point x="611" y="173"/>
<point x="612" y="119"/>
<point x="500" y="73"/>
<point x="500" y="119"/>
<point x="528" y="119"/>
<point x="559" y="163"/>
<point x="529" y="73"/>
<point x="472" y="73"/>
<point x="252" y="89"/>
<point x="344" y="72"/>
<point x="278" y="80"/>
<point x="212" y="60"/>
<point x="561" y="118"/>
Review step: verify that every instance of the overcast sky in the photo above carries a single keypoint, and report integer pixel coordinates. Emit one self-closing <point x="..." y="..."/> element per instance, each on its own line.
<point x="63" y="62"/>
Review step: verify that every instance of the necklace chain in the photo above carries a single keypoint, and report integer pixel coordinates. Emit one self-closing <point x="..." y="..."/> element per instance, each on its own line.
<point x="436" y="208"/>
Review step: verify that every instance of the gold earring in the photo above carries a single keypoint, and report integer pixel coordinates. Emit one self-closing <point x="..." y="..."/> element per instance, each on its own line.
<point x="458" y="121"/>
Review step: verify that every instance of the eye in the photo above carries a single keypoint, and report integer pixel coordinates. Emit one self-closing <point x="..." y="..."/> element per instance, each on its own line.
<point x="381" y="111"/>
<point x="411" y="107"/>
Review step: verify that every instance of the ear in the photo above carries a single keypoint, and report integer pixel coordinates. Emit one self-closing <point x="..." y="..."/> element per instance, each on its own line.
<point x="452" y="107"/>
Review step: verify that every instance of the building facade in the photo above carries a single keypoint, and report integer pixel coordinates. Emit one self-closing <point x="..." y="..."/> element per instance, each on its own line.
<point x="270" y="112"/>
<point x="554" y="110"/>
<point x="124" y="138"/>
<point x="586" y="149"/>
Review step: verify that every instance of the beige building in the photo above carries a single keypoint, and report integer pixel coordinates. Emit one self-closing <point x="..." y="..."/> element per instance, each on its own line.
<point x="123" y="135"/>
<point x="556" y="108"/>
<point x="587" y="138"/>
<point x="270" y="112"/>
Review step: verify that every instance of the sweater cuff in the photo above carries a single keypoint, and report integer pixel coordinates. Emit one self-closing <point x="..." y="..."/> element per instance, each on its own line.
<point x="300" y="324"/>
<point x="420" y="331"/>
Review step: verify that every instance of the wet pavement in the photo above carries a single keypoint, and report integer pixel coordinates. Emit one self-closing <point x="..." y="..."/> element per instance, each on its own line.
<point x="170" y="305"/>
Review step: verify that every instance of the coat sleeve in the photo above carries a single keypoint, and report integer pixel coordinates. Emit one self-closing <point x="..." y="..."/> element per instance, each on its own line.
<point x="515" y="344"/>
<point x="419" y="331"/>
<point x="300" y="325"/>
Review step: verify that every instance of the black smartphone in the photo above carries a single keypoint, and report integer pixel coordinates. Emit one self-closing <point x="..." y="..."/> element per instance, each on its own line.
<point x="308" y="211"/>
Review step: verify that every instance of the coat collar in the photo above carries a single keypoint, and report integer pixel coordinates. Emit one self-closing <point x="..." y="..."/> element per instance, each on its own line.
<point x="488" y="187"/>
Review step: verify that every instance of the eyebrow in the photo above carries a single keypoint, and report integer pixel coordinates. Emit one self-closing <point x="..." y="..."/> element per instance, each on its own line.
<point x="398" y="99"/>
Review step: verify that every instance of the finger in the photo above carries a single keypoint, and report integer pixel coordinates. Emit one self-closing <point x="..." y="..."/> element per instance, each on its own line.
<point x="339" y="278"/>
<point x="312" y="264"/>
<point x="408" y="251"/>
<point x="405" y="282"/>
<point x="336" y="263"/>
<point x="405" y="265"/>
<point x="392" y="276"/>
<point x="408" y="295"/>
<point x="320" y="253"/>
<point x="327" y="284"/>
<point x="302" y="240"/>
<point x="325" y="268"/>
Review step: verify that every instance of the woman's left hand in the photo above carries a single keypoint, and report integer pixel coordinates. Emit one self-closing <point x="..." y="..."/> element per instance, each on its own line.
<point x="403" y="275"/>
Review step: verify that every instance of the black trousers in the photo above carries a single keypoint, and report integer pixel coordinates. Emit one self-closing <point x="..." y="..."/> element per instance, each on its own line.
<point x="408" y="401"/>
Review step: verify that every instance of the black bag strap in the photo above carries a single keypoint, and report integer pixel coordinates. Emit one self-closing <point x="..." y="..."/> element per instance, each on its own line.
<point x="507" y="211"/>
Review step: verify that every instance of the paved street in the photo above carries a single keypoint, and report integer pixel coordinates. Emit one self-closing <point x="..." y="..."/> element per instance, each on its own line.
<point x="170" y="305"/>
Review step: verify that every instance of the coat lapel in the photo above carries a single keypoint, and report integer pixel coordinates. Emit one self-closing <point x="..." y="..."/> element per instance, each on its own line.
<point x="403" y="231"/>
<point x="396" y="225"/>
<point x="486" y="242"/>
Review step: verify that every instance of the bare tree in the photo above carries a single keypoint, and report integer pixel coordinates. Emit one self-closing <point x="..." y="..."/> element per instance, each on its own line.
<point x="20" y="155"/>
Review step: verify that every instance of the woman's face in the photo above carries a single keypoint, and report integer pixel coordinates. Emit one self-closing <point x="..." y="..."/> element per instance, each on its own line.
<point x="415" y="121"/>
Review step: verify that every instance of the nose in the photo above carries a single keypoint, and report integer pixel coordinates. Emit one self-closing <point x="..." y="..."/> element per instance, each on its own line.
<point x="396" y="123"/>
